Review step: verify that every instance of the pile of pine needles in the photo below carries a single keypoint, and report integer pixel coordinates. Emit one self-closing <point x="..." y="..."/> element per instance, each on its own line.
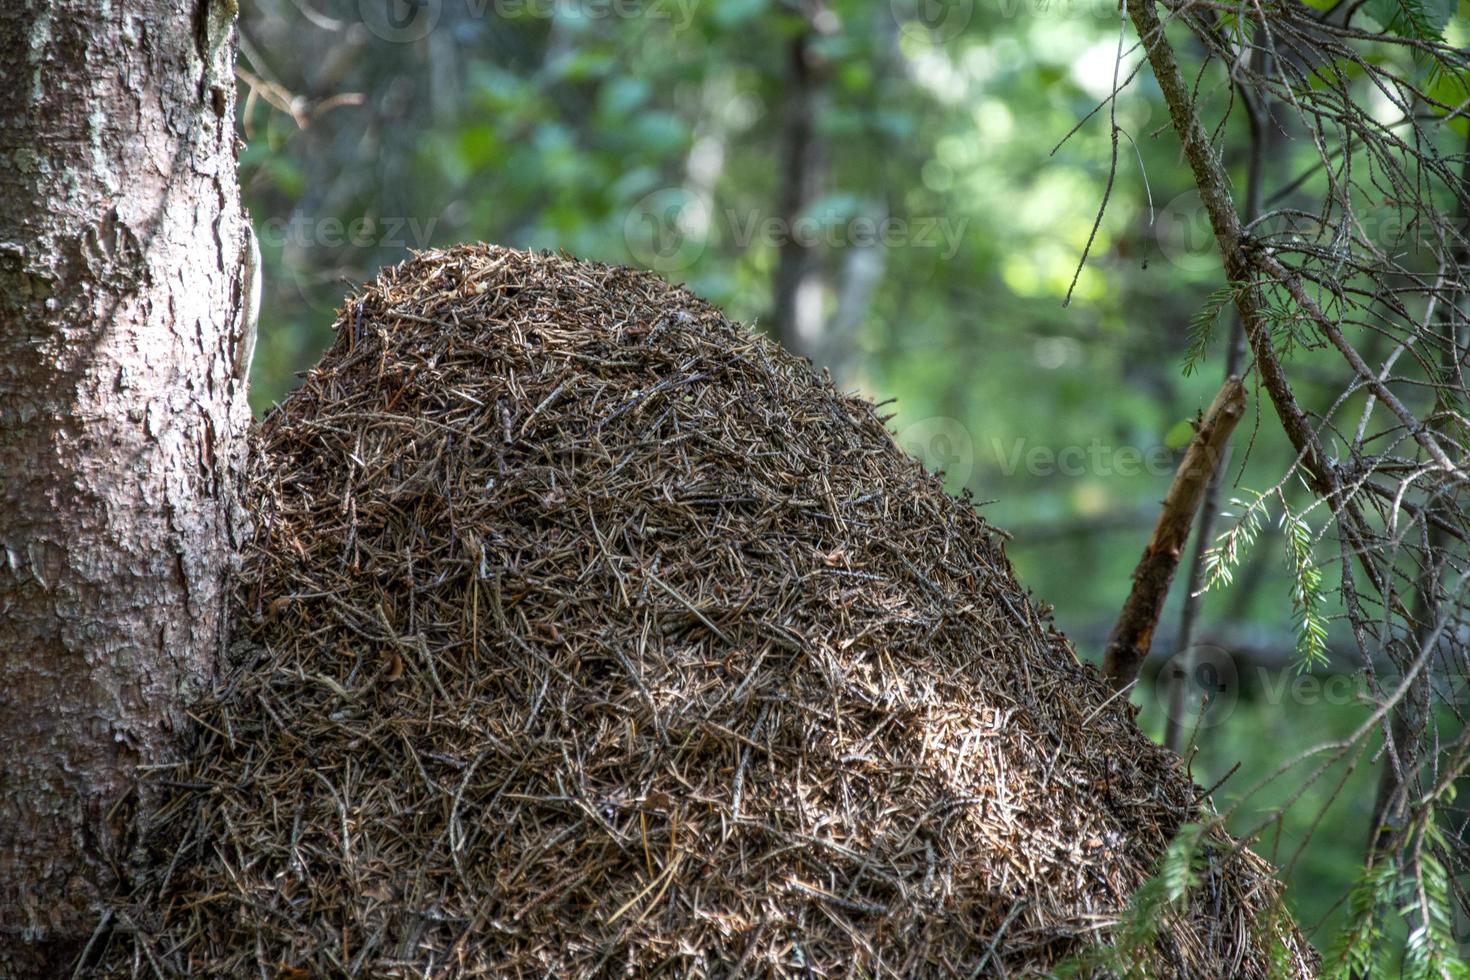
<point x="585" y="633"/>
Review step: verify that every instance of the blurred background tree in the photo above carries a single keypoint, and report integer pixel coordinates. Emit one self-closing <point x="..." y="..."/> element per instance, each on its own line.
<point x="900" y="191"/>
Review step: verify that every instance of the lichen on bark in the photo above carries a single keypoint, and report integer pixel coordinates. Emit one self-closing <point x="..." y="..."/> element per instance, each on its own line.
<point x="121" y="430"/>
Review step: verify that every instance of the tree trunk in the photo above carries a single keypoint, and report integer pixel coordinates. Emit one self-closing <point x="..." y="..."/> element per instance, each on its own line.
<point x="797" y="295"/>
<point x="121" y="424"/>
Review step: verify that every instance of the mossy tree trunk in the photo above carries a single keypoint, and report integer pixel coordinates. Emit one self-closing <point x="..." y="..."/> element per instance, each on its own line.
<point x="121" y="425"/>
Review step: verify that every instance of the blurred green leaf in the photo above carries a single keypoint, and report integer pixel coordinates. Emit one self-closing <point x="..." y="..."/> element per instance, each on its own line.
<point x="734" y="13"/>
<point x="1423" y="20"/>
<point x="1179" y="434"/>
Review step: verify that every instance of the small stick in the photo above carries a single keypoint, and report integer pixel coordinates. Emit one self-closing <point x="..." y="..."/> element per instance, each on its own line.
<point x="1133" y="634"/>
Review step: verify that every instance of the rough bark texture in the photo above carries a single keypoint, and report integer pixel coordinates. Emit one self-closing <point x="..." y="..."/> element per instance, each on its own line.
<point x="120" y="430"/>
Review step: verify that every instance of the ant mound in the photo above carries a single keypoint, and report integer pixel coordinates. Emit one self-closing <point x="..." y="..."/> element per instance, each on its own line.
<point x="586" y="633"/>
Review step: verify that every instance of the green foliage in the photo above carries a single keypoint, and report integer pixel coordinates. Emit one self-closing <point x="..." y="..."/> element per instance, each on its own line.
<point x="1421" y="896"/>
<point x="1359" y="948"/>
<point x="1153" y="904"/>
<point x="1450" y="89"/>
<point x="1202" y="327"/>
<point x="1431" y="951"/>
<point x="1231" y="546"/>
<point x="1270" y="929"/>
<point x="1307" y="599"/>
<point x="1422" y="20"/>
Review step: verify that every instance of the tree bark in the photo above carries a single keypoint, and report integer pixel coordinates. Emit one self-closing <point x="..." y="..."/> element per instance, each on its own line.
<point x="121" y="425"/>
<point x="1262" y="133"/>
<point x="1404" y="751"/>
<point x="1134" y="632"/>
<point x="797" y="294"/>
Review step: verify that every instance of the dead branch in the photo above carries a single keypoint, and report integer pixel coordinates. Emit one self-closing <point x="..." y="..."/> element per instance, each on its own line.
<point x="1133" y="634"/>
